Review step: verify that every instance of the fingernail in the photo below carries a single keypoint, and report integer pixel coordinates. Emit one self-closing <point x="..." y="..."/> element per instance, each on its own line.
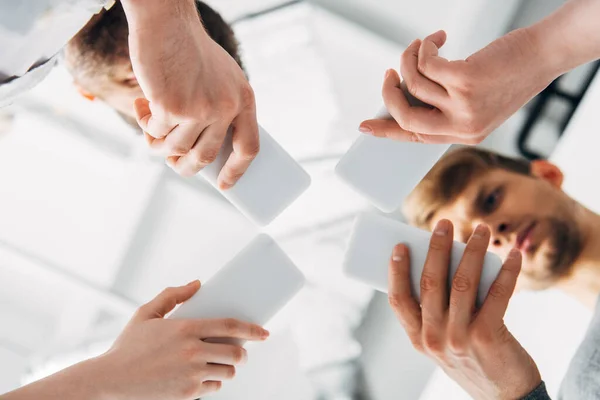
<point x="265" y="334"/>
<point x="514" y="253"/>
<point x="399" y="253"/>
<point x="442" y="228"/>
<point x="192" y="283"/>
<point x="480" y="231"/>
<point x="388" y="73"/>
<point x="365" y="129"/>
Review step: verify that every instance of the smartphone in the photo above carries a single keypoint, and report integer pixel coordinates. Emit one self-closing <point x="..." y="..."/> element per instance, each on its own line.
<point x="258" y="282"/>
<point x="385" y="171"/>
<point x="272" y="183"/>
<point x="370" y="249"/>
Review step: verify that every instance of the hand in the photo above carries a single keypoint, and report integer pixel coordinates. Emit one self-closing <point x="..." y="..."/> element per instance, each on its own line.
<point x="163" y="359"/>
<point x="153" y="358"/>
<point x="470" y="97"/>
<point x="194" y="91"/>
<point x="474" y="347"/>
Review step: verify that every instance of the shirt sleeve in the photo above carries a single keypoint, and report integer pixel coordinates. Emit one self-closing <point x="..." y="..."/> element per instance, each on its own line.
<point x="539" y="393"/>
<point x="32" y="33"/>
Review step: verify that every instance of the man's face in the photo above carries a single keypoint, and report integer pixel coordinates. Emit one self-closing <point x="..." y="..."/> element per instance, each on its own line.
<point x="525" y="212"/>
<point x="116" y="85"/>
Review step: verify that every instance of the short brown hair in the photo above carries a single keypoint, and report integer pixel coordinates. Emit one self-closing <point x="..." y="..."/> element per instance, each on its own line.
<point x="104" y="40"/>
<point x="450" y="177"/>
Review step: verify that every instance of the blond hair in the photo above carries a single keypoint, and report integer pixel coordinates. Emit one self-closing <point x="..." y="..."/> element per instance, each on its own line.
<point x="449" y="178"/>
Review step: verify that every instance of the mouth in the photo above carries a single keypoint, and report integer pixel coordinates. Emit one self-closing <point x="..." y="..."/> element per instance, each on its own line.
<point x="524" y="238"/>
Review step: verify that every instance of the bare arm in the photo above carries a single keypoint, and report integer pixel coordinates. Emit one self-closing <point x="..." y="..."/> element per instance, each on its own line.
<point x="473" y="97"/>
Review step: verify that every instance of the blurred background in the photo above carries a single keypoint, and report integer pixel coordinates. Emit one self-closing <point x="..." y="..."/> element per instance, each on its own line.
<point x="91" y="226"/>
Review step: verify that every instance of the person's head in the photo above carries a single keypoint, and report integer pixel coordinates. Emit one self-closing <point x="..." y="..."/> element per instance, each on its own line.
<point x="98" y="56"/>
<point x="522" y="202"/>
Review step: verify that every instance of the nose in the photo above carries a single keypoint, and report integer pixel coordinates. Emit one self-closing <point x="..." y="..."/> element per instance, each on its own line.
<point x="500" y="234"/>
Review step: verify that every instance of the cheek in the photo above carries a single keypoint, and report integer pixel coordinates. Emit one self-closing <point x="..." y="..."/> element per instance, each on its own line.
<point x="122" y="102"/>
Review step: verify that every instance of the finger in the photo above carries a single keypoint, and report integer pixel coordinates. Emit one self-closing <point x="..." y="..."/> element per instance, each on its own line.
<point x="246" y="145"/>
<point x="495" y="305"/>
<point x="438" y="38"/>
<point x="150" y="123"/>
<point x="209" y="387"/>
<point x="434" y="293"/>
<point x="215" y="372"/>
<point x="225" y="354"/>
<point x="434" y="67"/>
<point x="466" y="280"/>
<point x="400" y="294"/>
<point x="390" y="129"/>
<point x="179" y="142"/>
<point x="166" y="301"/>
<point x="204" y="152"/>
<point x="413" y="119"/>
<point x="419" y="86"/>
<point x="229" y="328"/>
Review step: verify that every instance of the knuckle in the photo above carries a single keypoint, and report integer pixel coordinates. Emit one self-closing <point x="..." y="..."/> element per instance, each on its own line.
<point x="176" y="149"/>
<point x="247" y="95"/>
<point x="413" y="87"/>
<point x="498" y="291"/>
<point x="432" y="344"/>
<point x="189" y="352"/>
<point x="457" y="345"/>
<point x="429" y="282"/>
<point x="461" y="283"/>
<point x="238" y="354"/>
<point x="206" y="156"/>
<point x="231" y="326"/>
<point x="416" y="138"/>
<point x="249" y="153"/>
<point x="438" y="243"/>
<point x="395" y="301"/>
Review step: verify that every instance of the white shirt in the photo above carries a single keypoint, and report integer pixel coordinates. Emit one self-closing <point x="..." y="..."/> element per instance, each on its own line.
<point x="32" y="32"/>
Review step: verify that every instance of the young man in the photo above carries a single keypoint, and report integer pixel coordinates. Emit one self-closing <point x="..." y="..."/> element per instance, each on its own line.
<point x="559" y="239"/>
<point x="98" y="59"/>
<point x="525" y="208"/>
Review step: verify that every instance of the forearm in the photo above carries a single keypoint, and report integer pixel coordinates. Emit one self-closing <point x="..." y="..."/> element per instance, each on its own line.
<point x="150" y="14"/>
<point x="569" y="37"/>
<point x="81" y="381"/>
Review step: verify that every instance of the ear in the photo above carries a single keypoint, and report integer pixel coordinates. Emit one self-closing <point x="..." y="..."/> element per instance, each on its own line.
<point x="547" y="171"/>
<point x="85" y="93"/>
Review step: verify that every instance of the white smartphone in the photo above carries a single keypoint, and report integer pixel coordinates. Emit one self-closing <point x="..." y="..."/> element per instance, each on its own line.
<point x="385" y="171"/>
<point x="258" y="282"/>
<point x="373" y="240"/>
<point x="273" y="181"/>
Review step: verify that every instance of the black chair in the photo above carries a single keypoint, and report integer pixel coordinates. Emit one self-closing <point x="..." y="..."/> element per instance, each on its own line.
<point x="540" y="103"/>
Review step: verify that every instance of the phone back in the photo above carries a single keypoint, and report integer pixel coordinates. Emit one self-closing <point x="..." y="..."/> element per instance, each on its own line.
<point x="373" y="240"/>
<point x="258" y="282"/>
<point x="272" y="183"/>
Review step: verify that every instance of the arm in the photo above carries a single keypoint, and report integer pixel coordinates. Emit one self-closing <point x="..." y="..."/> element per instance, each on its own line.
<point x="473" y="97"/>
<point x="153" y="359"/>
<point x="194" y="91"/>
<point x="474" y="348"/>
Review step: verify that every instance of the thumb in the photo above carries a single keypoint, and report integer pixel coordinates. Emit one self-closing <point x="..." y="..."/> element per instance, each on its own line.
<point x="166" y="301"/>
<point x="150" y="124"/>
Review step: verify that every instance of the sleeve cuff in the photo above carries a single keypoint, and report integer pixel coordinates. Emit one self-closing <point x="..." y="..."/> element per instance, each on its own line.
<point x="539" y="393"/>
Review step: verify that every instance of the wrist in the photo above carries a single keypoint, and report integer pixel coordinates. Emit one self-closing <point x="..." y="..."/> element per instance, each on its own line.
<point x="541" y="63"/>
<point x="153" y="14"/>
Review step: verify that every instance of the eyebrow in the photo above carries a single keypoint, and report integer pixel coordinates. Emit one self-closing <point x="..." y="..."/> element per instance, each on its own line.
<point x="480" y="198"/>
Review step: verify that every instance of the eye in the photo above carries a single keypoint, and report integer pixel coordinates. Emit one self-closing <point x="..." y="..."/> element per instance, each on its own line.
<point x="129" y="82"/>
<point x="492" y="201"/>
